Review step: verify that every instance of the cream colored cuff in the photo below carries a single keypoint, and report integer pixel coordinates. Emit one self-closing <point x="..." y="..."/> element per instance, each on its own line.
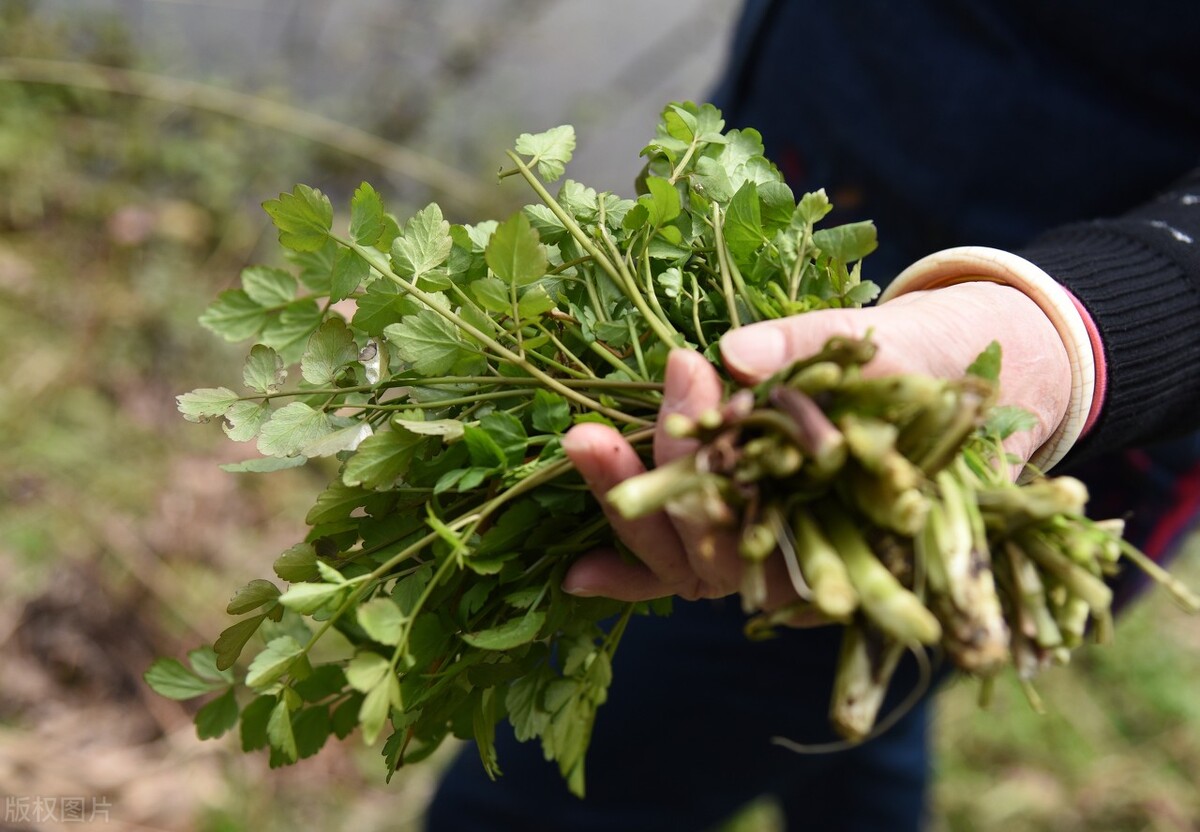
<point x="972" y="263"/>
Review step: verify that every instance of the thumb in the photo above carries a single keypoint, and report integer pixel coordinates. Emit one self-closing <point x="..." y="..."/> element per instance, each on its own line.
<point x="755" y="352"/>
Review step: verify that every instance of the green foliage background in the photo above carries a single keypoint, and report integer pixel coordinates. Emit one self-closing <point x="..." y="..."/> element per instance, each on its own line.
<point x="120" y="218"/>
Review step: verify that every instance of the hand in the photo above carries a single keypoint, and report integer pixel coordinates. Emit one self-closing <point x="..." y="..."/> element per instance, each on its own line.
<point x="938" y="333"/>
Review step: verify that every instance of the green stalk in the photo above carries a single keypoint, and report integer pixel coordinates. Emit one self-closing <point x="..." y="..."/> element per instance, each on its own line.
<point x="722" y="263"/>
<point x="379" y="262"/>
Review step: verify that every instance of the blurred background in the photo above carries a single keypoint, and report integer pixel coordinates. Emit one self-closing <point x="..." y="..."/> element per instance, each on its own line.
<point x="137" y="140"/>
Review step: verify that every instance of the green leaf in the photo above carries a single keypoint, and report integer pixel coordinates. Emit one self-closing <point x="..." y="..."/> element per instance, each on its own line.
<point x="291" y="428"/>
<point x="508" y="635"/>
<point x="217" y="717"/>
<point x="550" y="151"/>
<point x="425" y="244"/>
<point x="535" y="301"/>
<point x="1005" y="420"/>
<point x="273" y="662"/>
<point x="205" y="403"/>
<point x="378" y="705"/>
<point x="345" y="716"/>
<point x="298" y="564"/>
<point x="428" y="342"/>
<point x="269" y="287"/>
<point x="279" y="731"/>
<point x="812" y="208"/>
<point x="303" y="217"/>
<point x="255" y="717"/>
<point x="450" y="430"/>
<point x="289" y="331"/>
<point x="662" y="202"/>
<point x="252" y="596"/>
<point x="263" y="370"/>
<point x="987" y="364"/>
<point x="204" y="662"/>
<point x="366" y="670"/>
<point x="485" y="452"/>
<point x="379" y="306"/>
<point x="515" y="253"/>
<point x="551" y="413"/>
<point x="311" y="728"/>
<point x="492" y="294"/>
<point x="233" y="639"/>
<point x="264" y="465"/>
<point x="234" y="316"/>
<point x="244" y="420"/>
<point x="743" y="223"/>
<point x="366" y="215"/>
<point x="169" y="678"/>
<point x="381" y="459"/>
<point x="324" y="681"/>
<point x="849" y="242"/>
<point x="331" y="349"/>
<point x="523" y="702"/>
<point x="509" y="434"/>
<point x="863" y="293"/>
<point x="342" y="439"/>
<point x="349" y="271"/>
<point x="549" y="227"/>
<point x="307" y="599"/>
<point x="382" y="620"/>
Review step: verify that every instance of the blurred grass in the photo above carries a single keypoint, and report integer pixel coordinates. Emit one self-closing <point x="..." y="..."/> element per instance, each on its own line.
<point x="120" y="539"/>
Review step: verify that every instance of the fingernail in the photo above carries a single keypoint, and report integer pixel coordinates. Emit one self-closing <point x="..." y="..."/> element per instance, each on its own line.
<point x="755" y="351"/>
<point x="573" y="442"/>
<point x="578" y="590"/>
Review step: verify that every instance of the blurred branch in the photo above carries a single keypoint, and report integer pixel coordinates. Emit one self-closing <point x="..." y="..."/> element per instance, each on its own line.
<point x="466" y="193"/>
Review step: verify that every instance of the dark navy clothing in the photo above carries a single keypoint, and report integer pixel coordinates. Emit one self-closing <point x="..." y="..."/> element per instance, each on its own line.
<point x="1064" y="131"/>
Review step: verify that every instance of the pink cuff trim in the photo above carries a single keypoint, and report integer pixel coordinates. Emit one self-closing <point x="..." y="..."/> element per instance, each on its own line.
<point x="1100" y="363"/>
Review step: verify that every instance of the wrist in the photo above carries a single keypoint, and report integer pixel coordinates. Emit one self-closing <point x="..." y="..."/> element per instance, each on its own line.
<point x="976" y="263"/>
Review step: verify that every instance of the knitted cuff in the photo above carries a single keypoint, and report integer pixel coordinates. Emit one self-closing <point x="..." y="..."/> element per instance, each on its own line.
<point x="973" y="263"/>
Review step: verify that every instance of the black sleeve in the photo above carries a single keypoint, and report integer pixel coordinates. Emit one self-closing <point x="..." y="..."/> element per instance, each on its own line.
<point x="1139" y="277"/>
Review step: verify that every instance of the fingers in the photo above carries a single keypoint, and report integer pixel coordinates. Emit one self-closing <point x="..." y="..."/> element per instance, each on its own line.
<point x="605" y="573"/>
<point x="691" y="386"/>
<point x="756" y="352"/>
<point x="604" y="459"/>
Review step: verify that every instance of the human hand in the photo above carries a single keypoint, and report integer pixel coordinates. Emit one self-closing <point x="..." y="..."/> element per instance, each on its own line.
<point x="937" y="333"/>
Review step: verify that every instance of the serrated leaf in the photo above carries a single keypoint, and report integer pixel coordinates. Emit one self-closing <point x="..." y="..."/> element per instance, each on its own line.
<point x="273" y="662"/>
<point x="204" y="662"/>
<point x="486" y="453"/>
<point x="382" y="459"/>
<point x="515" y="254"/>
<point x="550" y="151"/>
<point x="535" y="301"/>
<point x="425" y="244"/>
<point x="345" y="716"/>
<point x="289" y="331"/>
<point x="743" y="223"/>
<point x="549" y="227"/>
<point x="268" y="287"/>
<point x="217" y="717"/>
<point x="244" y="420"/>
<point x="812" y="208"/>
<point x="382" y="620"/>
<point x="551" y="413"/>
<point x="308" y="598"/>
<point x="379" y="306"/>
<point x="523" y="702"/>
<point x="508" y="635"/>
<point x="849" y="242"/>
<point x="264" y="465"/>
<point x="862" y="293"/>
<point x="263" y="370"/>
<point x="492" y="294"/>
<point x="1005" y="420"/>
<point x="987" y="364"/>
<point x="205" y="403"/>
<point x="291" y="428"/>
<point x="297" y="564"/>
<point x="303" y="217"/>
<point x="169" y="678"/>
<point x="233" y="639"/>
<point x="234" y="316"/>
<point x="279" y="731"/>
<point x="324" y="681"/>
<point x="331" y="349"/>
<point x="377" y="706"/>
<point x="252" y="596"/>
<point x="662" y="202"/>
<point x="349" y="271"/>
<point x="509" y="434"/>
<point x="450" y="430"/>
<point x="366" y="215"/>
<point x="428" y="342"/>
<point x="366" y="670"/>
<point x="255" y="717"/>
<point x="311" y="728"/>
<point x="342" y="439"/>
